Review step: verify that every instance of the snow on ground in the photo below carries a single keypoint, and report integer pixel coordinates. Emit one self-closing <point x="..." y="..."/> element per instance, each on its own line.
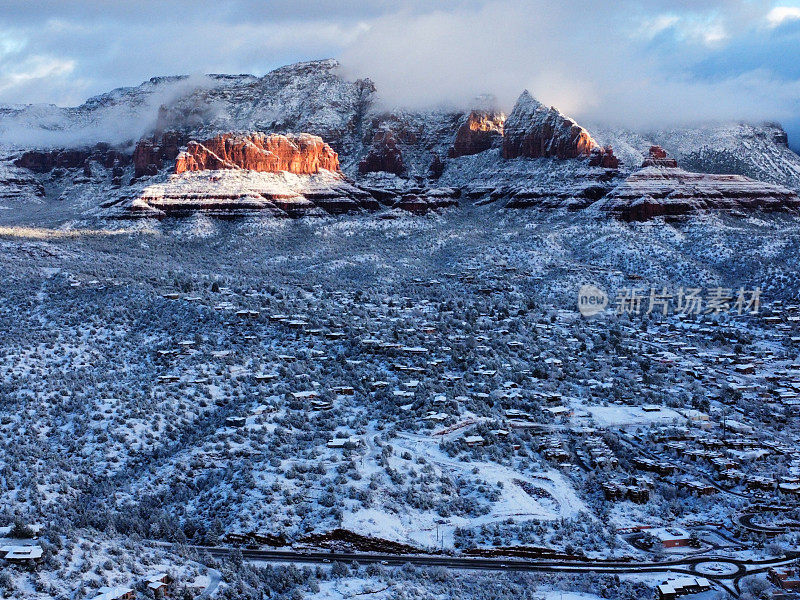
<point x="376" y="589"/>
<point x="339" y="589"/>
<point x="556" y="499"/>
<point x="622" y="416"/>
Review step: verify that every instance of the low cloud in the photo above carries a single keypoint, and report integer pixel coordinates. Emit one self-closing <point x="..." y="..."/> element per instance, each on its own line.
<point x="624" y="63"/>
<point x="636" y="63"/>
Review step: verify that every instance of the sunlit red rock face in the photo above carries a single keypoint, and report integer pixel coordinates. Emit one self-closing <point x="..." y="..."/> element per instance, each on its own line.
<point x="534" y="131"/>
<point x="384" y="155"/>
<point x="660" y="188"/>
<point x="480" y="132"/>
<point x="657" y="157"/>
<point x="301" y="154"/>
<point x="603" y="157"/>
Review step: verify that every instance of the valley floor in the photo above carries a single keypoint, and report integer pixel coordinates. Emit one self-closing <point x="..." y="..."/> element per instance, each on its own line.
<point x="427" y="381"/>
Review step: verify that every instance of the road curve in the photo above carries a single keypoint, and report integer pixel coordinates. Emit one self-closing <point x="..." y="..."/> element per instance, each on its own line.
<point x="685" y="566"/>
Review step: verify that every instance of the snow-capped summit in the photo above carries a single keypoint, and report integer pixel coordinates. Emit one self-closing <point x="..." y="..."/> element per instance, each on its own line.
<point x="535" y="131"/>
<point x="113" y="144"/>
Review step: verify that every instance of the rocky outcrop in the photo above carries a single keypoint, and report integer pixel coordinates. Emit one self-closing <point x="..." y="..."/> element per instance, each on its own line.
<point x="481" y="130"/>
<point x="241" y="192"/>
<point x="657" y="157"/>
<point x="18" y="185"/>
<point x="603" y="157"/>
<point x="384" y="155"/>
<point x="436" y="168"/>
<point x="44" y="161"/>
<point x="535" y="131"/>
<point x="426" y="200"/>
<point x="660" y="188"/>
<point x="152" y="154"/>
<point x="238" y="192"/>
<point x="301" y="154"/>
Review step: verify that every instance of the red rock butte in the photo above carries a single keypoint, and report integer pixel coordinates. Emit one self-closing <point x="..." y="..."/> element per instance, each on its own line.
<point x="301" y="154"/>
<point x="534" y="131"/>
<point x="478" y="133"/>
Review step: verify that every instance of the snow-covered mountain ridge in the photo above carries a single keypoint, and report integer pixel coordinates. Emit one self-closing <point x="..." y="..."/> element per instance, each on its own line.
<point x="96" y="150"/>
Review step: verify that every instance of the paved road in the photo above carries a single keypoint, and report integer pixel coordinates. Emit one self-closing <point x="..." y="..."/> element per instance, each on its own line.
<point x="685" y="565"/>
<point x="728" y="577"/>
<point x="214" y="577"/>
<point x="745" y="520"/>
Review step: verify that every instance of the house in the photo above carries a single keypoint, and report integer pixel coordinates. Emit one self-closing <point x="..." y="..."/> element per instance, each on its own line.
<point x="559" y="411"/>
<point x="737" y="426"/>
<point x="659" y="467"/>
<point x="697" y="487"/>
<point x="22" y="554"/>
<point x="348" y="442"/>
<point x="115" y="593"/>
<point x="671" y="537"/>
<point x="791" y="488"/>
<point x="757" y="482"/>
<point x="436" y="417"/>
<point x="235" y="421"/>
<point x="321" y="405"/>
<point x="672" y="588"/>
<point x="343" y="390"/>
<point x="159" y="583"/>
<point x="474" y="440"/>
<point x="519" y="415"/>
<point x="786" y="578"/>
<point x="414" y="350"/>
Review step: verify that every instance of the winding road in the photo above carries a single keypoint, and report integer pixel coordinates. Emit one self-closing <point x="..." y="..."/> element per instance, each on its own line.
<point x="725" y="571"/>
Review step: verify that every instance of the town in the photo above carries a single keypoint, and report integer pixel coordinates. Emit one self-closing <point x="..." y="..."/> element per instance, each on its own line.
<point x="462" y="414"/>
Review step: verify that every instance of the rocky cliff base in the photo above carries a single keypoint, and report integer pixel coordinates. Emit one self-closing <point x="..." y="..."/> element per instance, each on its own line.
<point x="661" y="188"/>
<point x="236" y="193"/>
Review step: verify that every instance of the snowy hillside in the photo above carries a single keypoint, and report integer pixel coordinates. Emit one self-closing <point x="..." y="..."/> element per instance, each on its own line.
<point x="760" y="151"/>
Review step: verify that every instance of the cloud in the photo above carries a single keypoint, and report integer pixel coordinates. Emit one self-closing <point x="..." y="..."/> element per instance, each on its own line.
<point x="33" y="69"/>
<point x="632" y="63"/>
<point x="640" y="63"/>
<point x="781" y="14"/>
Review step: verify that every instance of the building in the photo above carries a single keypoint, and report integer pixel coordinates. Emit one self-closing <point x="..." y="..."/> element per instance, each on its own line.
<point x="22" y="554"/>
<point x="786" y="578"/>
<point x="672" y="588"/>
<point x="348" y="442"/>
<point x="671" y="537"/>
<point x="115" y="593"/>
<point x="159" y="583"/>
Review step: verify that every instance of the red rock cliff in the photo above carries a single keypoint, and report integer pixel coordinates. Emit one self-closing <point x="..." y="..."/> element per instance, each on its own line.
<point x="302" y="154"/>
<point x="535" y="131"/>
<point x="657" y="157"/>
<point x="478" y="133"/>
<point x="384" y="155"/>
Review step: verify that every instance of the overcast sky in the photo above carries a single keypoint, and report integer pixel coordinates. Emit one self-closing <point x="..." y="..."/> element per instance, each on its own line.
<point x="642" y="63"/>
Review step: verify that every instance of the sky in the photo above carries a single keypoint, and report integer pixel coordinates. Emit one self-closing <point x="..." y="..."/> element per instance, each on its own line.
<point x="635" y="63"/>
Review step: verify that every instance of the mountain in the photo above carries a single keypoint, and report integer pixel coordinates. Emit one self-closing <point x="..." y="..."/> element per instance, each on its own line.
<point x="535" y="131"/>
<point x="100" y="159"/>
<point x="660" y="188"/>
